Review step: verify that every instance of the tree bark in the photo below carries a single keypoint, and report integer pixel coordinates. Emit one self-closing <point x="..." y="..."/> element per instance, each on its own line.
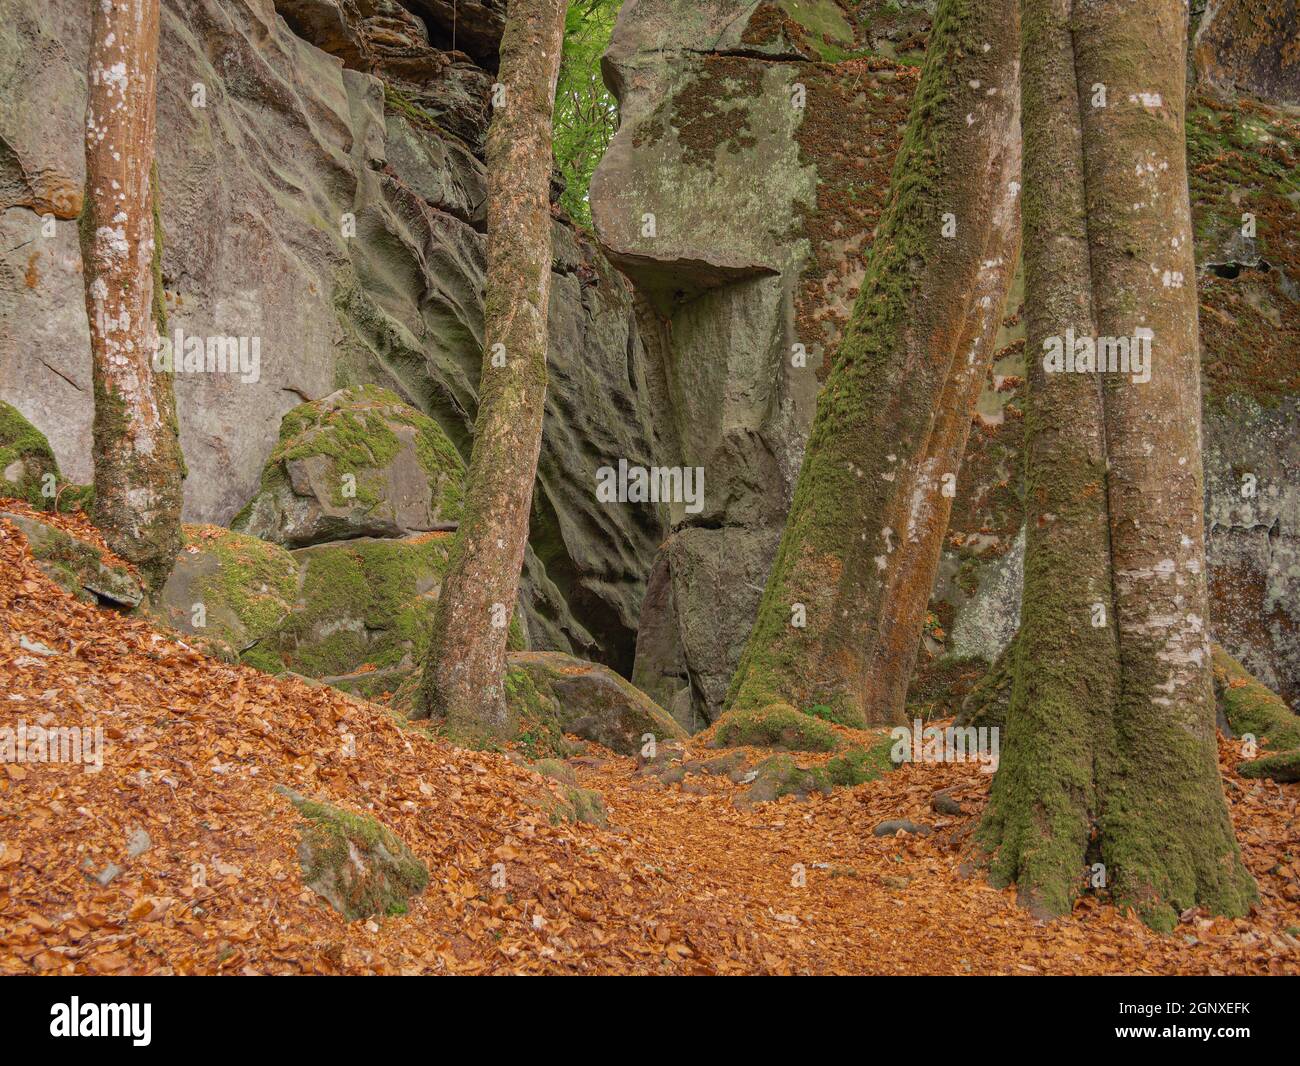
<point x="1044" y="796"/>
<point x="464" y="674"/>
<point x="1165" y="826"/>
<point x="1110" y="752"/>
<point x="910" y="580"/>
<point x="137" y="456"/>
<point x="877" y="411"/>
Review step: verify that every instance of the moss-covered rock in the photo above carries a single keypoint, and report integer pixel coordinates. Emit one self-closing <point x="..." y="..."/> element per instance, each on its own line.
<point x="780" y="776"/>
<point x="360" y="619"/>
<point x="357" y="463"/>
<point x="25" y="458"/>
<point x="77" y="565"/>
<point x="595" y="703"/>
<point x="778" y="725"/>
<point x="232" y="592"/>
<point x="857" y="766"/>
<point x="352" y="862"/>
<point x="1251" y="708"/>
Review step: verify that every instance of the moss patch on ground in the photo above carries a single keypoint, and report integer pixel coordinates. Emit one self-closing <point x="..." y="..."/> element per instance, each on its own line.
<point x="778" y="725"/>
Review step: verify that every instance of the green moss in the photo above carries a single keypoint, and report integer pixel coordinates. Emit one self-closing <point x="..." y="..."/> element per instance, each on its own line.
<point x="859" y="765"/>
<point x="354" y="432"/>
<point x="587" y="806"/>
<point x="776" y="725"/>
<point x="392" y="872"/>
<point x="1251" y="707"/>
<point x="264" y="658"/>
<point x="534" y="716"/>
<point x="20" y="441"/>
<point x="362" y="602"/>
<point x="255" y="579"/>
<point x="1281" y="766"/>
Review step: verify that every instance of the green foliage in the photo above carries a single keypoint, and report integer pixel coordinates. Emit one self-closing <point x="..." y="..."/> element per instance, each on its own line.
<point x="586" y="115"/>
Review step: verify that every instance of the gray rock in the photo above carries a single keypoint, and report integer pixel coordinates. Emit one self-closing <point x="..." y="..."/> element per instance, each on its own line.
<point x="901" y="825"/>
<point x="358" y="463"/>
<point x="943" y="803"/>
<point x="137" y="842"/>
<point x="359" y="867"/>
<point x="78" y="565"/>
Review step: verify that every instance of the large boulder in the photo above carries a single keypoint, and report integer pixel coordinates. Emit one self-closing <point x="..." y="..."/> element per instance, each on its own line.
<point x="358" y="463"/>
<point x="228" y="592"/>
<point x="595" y="703"/>
<point x="361" y="617"/>
<point x="729" y="199"/>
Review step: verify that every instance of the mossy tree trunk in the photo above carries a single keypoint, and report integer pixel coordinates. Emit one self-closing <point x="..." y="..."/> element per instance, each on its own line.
<point x="1044" y="795"/>
<point x="1165" y="827"/>
<point x="464" y="674"/>
<point x="137" y="456"/>
<point x="910" y="579"/>
<point x="1110" y="754"/>
<point x="867" y="452"/>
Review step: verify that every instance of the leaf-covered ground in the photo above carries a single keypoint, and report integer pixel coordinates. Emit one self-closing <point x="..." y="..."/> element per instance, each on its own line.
<point x="681" y="882"/>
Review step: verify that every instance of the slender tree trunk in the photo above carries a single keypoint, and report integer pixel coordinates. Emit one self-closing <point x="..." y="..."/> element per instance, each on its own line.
<point x="909" y="581"/>
<point x="464" y="673"/>
<point x="1165" y="827"/>
<point x="1044" y="796"/>
<point x="1110" y="753"/>
<point x="137" y="457"/>
<point x="813" y="637"/>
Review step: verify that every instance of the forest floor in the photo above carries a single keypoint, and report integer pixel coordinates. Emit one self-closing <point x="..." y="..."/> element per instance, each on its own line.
<point x="681" y="881"/>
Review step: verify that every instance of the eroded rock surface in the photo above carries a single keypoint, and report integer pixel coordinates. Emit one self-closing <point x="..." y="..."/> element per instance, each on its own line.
<point x="322" y="192"/>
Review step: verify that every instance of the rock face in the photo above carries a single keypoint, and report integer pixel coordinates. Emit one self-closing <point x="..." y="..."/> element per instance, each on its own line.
<point x="739" y="217"/>
<point x="1250" y="46"/>
<point x="752" y="157"/>
<point x="322" y="195"/>
<point x="358" y="463"/>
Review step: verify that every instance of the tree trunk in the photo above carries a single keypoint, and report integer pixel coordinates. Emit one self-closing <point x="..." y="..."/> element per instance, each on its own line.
<point x="911" y="578"/>
<point x="813" y="637"/>
<point x="1165" y="827"/>
<point x="464" y="672"/>
<point x="137" y="457"/>
<point x="1043" y="797"/>
<point x="1110" y="750"/>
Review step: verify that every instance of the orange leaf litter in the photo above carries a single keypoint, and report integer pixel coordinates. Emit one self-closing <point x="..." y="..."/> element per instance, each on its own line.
<point x="681" y="882"/>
